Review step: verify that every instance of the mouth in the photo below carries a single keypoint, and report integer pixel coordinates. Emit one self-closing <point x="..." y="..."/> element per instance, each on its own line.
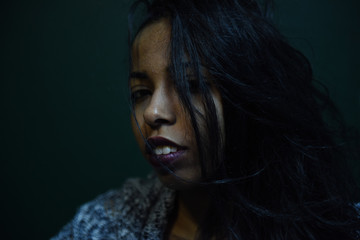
<point x="162" y="151"/>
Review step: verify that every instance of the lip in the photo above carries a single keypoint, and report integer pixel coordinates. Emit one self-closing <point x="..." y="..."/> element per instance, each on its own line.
<point x="163" y="159"/>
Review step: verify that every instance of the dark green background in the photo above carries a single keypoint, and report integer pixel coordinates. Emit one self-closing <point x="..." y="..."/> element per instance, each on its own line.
<point x="65" y="132"/>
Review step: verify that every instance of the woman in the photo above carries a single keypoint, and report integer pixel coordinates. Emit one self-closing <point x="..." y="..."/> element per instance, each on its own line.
<point x="226" y="112"/>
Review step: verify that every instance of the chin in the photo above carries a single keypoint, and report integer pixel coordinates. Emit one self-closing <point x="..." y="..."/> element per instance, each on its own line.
<point x="177" y="181"/>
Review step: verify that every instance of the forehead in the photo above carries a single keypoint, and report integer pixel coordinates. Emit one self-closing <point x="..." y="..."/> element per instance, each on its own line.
<point x="151" y="46"/>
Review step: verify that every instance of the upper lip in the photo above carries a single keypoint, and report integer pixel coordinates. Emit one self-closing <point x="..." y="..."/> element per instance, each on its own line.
<point x="160" y="141"/>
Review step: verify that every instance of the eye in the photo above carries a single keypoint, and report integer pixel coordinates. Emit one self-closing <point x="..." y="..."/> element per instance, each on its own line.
<point x="139" y="95"/>
<point x="194" y="86"/>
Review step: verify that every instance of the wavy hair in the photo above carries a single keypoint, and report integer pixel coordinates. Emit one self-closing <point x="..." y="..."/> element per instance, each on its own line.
<point x="281" y="169"/>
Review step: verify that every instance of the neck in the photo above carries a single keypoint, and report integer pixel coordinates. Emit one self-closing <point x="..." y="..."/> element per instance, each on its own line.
<point x="192" y="206"/>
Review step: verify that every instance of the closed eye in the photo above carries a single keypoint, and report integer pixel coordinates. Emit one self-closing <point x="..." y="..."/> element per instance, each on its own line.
<point x="139" y="95"/>
<point x="194" y="85"/>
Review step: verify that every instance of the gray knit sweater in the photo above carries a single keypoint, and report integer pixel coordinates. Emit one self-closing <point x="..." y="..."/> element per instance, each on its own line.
<point x="139" y="210"/>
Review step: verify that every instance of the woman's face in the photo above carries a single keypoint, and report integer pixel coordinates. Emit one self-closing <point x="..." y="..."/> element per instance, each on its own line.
<point x="161" y="118"/>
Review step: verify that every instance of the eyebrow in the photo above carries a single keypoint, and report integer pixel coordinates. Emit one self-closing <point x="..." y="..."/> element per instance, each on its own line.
<point x="144" y="76"/>
<point x="139" y="75"/>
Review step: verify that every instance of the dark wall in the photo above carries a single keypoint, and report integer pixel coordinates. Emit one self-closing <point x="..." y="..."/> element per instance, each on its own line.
<point x="65" y="132"/>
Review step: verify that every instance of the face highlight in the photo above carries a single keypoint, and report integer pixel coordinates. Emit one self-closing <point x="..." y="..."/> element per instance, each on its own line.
<point x="161" y="119"/>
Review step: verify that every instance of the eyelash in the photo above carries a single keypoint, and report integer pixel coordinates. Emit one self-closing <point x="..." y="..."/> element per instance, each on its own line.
<point x="137" y="95"/>
<point x="194" y="86"/>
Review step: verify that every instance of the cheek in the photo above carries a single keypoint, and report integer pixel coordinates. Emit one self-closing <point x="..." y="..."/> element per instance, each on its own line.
<point x="133" y="125"/>
<point x="137" y="133"/>
<point x="138" y="123"/>
<point x="219" y="110"/>
<point x="220" y="115"/>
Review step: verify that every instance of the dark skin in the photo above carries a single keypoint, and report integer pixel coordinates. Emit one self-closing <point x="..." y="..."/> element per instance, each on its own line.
<point x="191" y="209"/>
<point x="159" y="113"/>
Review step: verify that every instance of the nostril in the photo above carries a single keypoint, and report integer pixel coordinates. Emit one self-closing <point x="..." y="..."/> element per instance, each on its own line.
<point x="161" y="121"/>
<point x="158" y="122"/>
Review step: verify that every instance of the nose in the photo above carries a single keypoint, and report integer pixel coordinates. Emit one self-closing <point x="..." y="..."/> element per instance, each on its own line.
<point x="161" y="109"/>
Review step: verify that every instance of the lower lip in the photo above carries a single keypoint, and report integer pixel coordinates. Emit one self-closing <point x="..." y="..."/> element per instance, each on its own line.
<point x="165" y="159"/>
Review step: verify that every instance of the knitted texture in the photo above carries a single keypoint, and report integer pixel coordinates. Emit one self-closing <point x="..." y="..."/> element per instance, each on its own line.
<point x="139" y="210"/>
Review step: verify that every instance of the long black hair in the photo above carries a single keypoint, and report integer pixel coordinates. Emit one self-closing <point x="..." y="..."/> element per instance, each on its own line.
<point x="280" y="172"/>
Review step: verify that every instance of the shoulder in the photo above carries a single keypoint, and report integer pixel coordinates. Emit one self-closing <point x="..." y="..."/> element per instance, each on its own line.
<point x="116" y="214"/>
<point x="357" y="207"/>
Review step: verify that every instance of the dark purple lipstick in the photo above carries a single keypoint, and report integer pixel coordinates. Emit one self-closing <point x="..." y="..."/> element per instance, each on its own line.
<point x="162" y="151"/>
